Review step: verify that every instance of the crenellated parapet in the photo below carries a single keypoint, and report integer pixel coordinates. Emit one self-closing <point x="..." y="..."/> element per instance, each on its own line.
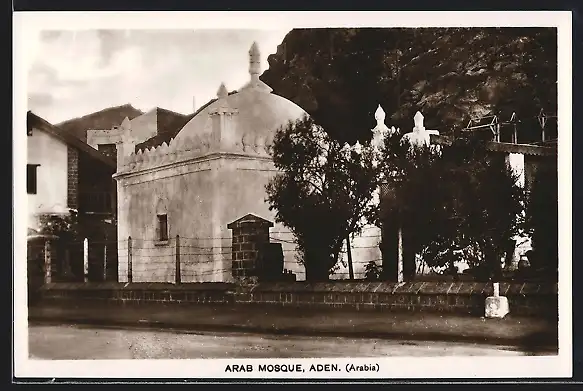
<point x="194" y="147"/>
<point x="164" y="154"/>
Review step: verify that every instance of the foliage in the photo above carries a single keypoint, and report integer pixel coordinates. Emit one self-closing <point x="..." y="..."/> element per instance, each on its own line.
<point x="542" y="219"/>
<point x="490" y="204"/>
<point x="322" y="193"/>
<point x="339" y="76"/>
<point x="372" y="271"/>
<point x="463" y="203"/>
<point x="65" y="227"/>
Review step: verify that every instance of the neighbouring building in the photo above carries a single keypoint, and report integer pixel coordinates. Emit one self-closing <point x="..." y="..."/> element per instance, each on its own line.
<point x="156" y="123"/>
<point x="65" y="174"/>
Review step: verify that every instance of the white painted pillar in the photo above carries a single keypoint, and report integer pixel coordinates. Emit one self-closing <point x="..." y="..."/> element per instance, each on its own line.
<point x="516" y="162"/>
<point x="86" y="259"/>
<point x="48" y="262"/>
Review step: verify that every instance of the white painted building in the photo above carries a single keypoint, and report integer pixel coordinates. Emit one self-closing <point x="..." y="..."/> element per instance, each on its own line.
<point x="53" y="157"/>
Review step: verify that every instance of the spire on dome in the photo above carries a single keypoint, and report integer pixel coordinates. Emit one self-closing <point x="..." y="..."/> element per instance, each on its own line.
<point x="254" y="61"/>
<point x="255" y="70"/>
<point x="222" y="92"/>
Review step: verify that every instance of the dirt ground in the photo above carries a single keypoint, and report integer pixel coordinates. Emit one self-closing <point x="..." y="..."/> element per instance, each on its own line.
<point x="530" y="333"/>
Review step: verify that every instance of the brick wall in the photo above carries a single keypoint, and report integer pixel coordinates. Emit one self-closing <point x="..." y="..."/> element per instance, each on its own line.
<point x="458" y="297"/>
<point x="536" y="299"/>
<point x="72" y="177"/>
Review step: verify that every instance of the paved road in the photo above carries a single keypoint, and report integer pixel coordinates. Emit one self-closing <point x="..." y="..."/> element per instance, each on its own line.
<point x="65" y="342"/>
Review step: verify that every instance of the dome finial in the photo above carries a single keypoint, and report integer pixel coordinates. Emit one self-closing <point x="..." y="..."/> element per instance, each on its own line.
<point x="255" y="84"/>
<point x="254" y="61"/>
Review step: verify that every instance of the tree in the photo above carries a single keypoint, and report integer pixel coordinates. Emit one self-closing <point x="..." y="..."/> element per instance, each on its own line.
<point x="490" y="202"/>
<point x="322" y="193"/>
<point x="462" y="203"/>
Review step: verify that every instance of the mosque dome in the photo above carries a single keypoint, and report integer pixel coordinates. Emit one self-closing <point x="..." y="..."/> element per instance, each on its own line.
<point x="254" y="110"/>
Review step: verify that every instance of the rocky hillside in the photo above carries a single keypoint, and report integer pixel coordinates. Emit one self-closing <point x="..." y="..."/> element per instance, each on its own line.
<point x="103" y="119"/>
<point x="450" y="74"/>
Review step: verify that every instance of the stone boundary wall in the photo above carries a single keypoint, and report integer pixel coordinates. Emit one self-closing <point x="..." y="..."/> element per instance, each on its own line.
<point x="457" y="297"/>
<point x="139" y="293"/>
<point x="540" y="299"/>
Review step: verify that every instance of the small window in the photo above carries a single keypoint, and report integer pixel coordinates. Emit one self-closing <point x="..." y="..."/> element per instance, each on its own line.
<point x="162" y="228"/>
<point x="31" y="185"/>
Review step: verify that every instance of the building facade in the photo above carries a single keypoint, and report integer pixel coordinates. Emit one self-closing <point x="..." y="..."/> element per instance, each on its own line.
<point x="64" y="173"/>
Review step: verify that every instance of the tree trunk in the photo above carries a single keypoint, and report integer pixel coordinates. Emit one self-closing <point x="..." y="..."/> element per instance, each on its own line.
<point x="317" y="274"/>
<point x="318" y="267"/>
<point x="409" y="256"/>
<point x="494" y="264"/>
<point x="348" y="250"/>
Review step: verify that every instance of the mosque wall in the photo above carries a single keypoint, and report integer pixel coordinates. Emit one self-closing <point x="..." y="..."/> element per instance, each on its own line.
<point x="184" y="193"/>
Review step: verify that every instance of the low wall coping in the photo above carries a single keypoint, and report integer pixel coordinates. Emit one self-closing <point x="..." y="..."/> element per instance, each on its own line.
<point x="149" y="286"/>
<point x="418" y="287"/>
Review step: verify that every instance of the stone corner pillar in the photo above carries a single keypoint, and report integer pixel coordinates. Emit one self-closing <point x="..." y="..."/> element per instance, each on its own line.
<point x="249" y="233"/>
<point x="496" y="305"/>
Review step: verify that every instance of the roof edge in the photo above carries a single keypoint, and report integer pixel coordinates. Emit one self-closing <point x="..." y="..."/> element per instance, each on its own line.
<point x="525" y="149"/>
<point x="41" y="124"/>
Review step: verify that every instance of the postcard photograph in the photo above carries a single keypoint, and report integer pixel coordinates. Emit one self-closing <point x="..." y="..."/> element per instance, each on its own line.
<point x="292" y="195"/>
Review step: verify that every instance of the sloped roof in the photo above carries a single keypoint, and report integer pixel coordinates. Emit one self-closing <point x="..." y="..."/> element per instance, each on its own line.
<point x="103" y="119"/>
<point x="249" y="218"/>
<point x="36" y="122"/>
<point x="168" y="120"/>
<point x="168" y="124"/>
<point x="166" y="135"/>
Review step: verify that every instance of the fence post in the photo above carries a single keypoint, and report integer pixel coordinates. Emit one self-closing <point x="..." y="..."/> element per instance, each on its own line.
<point x="178" y="276"/>
<point x="129" y="259"/>
<point x="48" y="262"/>
<point x="105" y="262"/>
<point x="86" y="260"/>
<point x="400" y="256"/>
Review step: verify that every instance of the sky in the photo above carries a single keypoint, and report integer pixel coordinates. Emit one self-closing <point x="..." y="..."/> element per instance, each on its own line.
<point x="74" y="73"/>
